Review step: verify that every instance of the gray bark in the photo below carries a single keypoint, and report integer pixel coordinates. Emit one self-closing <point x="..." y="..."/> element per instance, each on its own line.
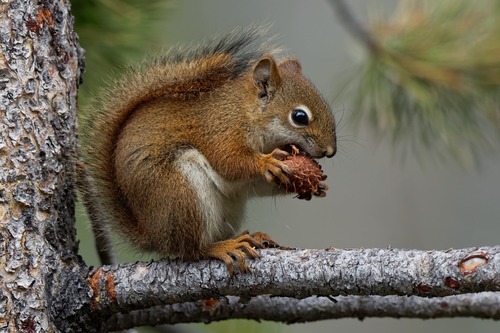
<point x="452" y="283"/>
<point x="292" y="310"/>
<point x="40" y="64"/>
<point x="301" y="274"/>
<point x="46" y="287"/>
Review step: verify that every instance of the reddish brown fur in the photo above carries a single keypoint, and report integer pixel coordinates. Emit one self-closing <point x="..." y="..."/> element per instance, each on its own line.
<point x="211" y="102"/>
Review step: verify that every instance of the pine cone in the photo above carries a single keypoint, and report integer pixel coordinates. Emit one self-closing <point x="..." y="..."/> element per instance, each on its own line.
<point x="306" y="179"/>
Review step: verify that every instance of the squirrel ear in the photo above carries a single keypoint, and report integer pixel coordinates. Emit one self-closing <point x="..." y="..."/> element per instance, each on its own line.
<point x="291" y="64"/>
<point x="266" y="77"/>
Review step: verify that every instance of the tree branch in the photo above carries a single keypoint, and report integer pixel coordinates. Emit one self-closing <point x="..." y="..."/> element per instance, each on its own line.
<point x="290" y="310"/>
<point x="299" y="274"/>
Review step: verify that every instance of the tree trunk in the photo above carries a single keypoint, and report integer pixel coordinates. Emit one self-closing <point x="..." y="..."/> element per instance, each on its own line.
<point x="40" y="67"/>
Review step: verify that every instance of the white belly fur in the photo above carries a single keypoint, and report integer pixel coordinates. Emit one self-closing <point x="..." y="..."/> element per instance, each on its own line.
<point x="222" y="203"/>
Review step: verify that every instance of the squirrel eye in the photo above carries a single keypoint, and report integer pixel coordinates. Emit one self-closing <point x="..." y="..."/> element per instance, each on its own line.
<point x="300" y="116"/>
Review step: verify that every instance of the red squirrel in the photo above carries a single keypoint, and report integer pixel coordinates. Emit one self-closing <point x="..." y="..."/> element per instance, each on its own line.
<point x="173" y="149"/>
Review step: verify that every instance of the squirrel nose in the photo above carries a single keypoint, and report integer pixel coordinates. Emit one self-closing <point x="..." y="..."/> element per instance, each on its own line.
<point x="330" y="151"/>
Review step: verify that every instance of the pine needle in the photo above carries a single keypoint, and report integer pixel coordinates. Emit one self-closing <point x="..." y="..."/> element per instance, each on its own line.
<point x="113" y="32"/>
<point x="433" y="79"/>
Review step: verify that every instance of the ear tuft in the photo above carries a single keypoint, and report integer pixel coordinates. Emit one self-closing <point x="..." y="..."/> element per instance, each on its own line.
<point x="266" y="77"/>
<point x="262" y="71"/>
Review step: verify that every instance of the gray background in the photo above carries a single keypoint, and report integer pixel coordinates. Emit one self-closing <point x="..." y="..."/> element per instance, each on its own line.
<point x="374" y="200"/>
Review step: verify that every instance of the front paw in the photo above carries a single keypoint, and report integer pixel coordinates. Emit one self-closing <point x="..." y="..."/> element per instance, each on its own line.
<point x="272" y="166"/>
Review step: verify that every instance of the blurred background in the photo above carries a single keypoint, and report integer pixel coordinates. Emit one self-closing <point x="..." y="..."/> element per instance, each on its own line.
<point x="424" y="182"/>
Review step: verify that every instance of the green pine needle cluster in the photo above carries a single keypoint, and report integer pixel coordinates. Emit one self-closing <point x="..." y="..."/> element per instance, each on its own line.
<point x="113" y="32"/>
<point x="432" y="80"/>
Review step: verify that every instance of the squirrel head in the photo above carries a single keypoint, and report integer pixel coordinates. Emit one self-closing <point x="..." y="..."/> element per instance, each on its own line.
<point x="293" y="110"/>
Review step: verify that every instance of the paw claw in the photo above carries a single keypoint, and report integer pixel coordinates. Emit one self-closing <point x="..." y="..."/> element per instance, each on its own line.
<point x="273" y="167"/>
<point x="279" y="154"/>
<point x="238" y="249"/>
